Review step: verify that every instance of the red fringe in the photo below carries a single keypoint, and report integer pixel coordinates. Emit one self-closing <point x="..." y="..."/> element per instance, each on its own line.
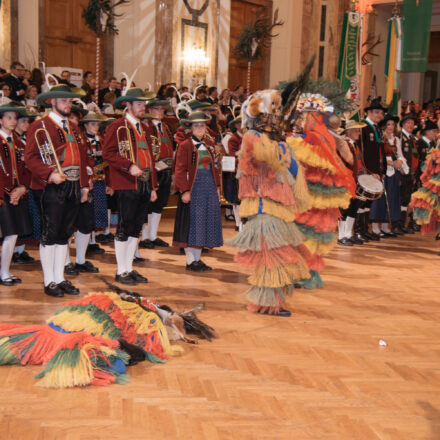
<point x="321" y="220"/>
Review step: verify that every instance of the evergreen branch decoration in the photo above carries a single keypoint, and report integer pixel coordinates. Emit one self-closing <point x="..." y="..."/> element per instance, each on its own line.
<point x="100" y="16"/>
<point x="255" y="36"/>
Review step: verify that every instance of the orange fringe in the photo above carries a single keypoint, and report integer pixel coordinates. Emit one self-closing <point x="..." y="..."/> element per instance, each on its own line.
<point x="321" y="220"/>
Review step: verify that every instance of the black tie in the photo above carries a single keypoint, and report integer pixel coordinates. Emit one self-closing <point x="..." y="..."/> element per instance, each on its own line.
<point x="138" y="127"/>
<point x="9" y="139"/>
<point x="159" y="126"/>
<point x="64" y="122"/>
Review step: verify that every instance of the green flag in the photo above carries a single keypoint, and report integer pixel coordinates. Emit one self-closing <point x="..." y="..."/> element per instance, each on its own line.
<point x="416" y="30"/>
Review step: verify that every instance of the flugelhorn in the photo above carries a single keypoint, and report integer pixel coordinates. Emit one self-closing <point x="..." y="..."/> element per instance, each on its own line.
<point x="125" y="145"/>
<point x="156" y="144"/>
<point x="47" y="150"/>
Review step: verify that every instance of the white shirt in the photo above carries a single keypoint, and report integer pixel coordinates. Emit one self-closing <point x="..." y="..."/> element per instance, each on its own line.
<point x="57" y="119"/>
<point x="3" y="133"/>
<point x="133" y="120"/>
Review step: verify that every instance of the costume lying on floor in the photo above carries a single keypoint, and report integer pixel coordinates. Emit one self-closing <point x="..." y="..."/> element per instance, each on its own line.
<point x="426" y="200"/>
<point x="91" y="340"/>
<point x="272" y="191"/>
<point x="330" y="183"/>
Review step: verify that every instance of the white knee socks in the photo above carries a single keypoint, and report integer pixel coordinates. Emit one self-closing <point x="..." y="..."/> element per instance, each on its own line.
<point x="120" y="252"/>
<point x="107" y="229"/>
<point x="385" y="227"/>
<point x="144" y="235"/>
<point x="7" y="252"/>
<point x="61" y="251"/>
<point x="132" y="244"/>
<point x="153" y="225"/>
<point x="47" y="257"/>
<point x="192" y="254"/>
<point x="349" y="223"/>
<point x="19" y="249"/>
<point x="341" y="229"/>
<point x="92" y="238"/>
<point x="81" y="243"/>
<point x="235" y="210"/>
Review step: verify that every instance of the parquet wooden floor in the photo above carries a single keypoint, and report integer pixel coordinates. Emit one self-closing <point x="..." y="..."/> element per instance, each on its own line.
<point x="320" y="374"/>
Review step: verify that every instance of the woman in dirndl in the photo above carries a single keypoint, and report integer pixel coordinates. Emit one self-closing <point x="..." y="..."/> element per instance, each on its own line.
<point x="198" y="218"/>
<point x="390" y="200"/>
<point x="14" y="180"/>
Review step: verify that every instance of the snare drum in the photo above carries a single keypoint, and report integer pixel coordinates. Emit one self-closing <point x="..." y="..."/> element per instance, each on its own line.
<point x="369" y="187"/>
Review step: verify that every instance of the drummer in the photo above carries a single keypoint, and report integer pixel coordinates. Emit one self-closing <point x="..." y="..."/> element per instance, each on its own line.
<point x="352" y="134"/>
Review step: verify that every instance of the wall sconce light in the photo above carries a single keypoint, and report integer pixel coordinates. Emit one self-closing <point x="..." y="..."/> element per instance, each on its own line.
<point x="196" y="61"/>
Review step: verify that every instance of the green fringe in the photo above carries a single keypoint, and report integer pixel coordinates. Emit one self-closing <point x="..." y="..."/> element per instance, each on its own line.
<point x="323" y="237"/>
<point x="319" y="188"/>
<point x="153" y="358"/>
<point x="420" y="214"/>
<point x="276" y="233"/>
<point x="99" y="316"/>
<point x="6" y="355"/>
<point x="123" y="355"/>
<point x="314" y="282"/>
<point x="265" y="296"/>
<point x="62" y="357"/>
<point x="122" y="379"/>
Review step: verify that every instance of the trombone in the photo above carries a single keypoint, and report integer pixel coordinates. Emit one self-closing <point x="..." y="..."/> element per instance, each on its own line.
<point x="125" y="145"/>
<point x="47" y="150"/>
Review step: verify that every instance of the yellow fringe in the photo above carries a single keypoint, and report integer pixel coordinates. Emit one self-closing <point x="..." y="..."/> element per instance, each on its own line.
<point x="425" y="196"/>
<point x="250" y="206"/>
<point x="267" y="151"/>
<point x="300" y="191"/>
<point x="76" y="322"/>
<point x="65" y="376"/>
<point x="324" y="201"/>
<point x="318" y="247"/>
<point x="306" y="155"/>
<point x="279" y="277"/>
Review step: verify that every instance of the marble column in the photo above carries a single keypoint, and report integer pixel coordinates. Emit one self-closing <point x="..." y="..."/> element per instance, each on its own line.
<point x="164" y="42"/>
<point x="8" y="33"/>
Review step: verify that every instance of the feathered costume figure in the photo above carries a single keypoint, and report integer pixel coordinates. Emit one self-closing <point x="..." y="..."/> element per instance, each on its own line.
<point x="272" y="190"/>
<point x="426" y="200"/>
<point x="90" y="341"/>
<point x="329" y="182"/>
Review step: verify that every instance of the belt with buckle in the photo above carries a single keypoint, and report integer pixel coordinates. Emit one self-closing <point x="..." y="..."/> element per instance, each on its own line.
<point x="72" y="173"/>
<point x="145" y="176"/>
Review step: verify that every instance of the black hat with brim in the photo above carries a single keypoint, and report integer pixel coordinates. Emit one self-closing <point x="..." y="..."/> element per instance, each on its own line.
<point x="78" y="109"/>
<point x="376" y="105"/>
<point x="93" y="117"/>
<point x="195" y="104"/>
<point x="409" y="117"/>
<point x="387" y="118"/>
<point x="13" y="107"/>
<point x="429" y="125"/>
<point x="134" y="94"/>
<point x="194" y="118"/>
<point x="158" y="103"/>
<point x="234" y="121"/>
<point x="57" y="91"/>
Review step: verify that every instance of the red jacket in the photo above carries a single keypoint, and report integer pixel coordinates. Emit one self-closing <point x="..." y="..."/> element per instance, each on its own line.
<point x="187" y="159"/>
<point x="119" y="176"/>
<point x="40" y="171"/>
<point x="166" y="148"/>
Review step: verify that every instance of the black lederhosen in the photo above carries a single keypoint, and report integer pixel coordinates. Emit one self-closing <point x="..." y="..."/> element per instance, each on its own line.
<point x="132" y="208"/>
<point x="164" y="181"/>
<point x="407" y="187"/>
<point x="60" y="206"/>
<point x="85" y="221"/>
<point x="112" y="203"/>
<point x="15" y="219"/>
<point x="352" y="209"/>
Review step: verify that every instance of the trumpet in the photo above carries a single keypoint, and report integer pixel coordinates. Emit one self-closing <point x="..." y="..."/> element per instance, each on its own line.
<point x="156" y="144"/>
<point x="125" y="146"/>
<point x="47" y="150"/>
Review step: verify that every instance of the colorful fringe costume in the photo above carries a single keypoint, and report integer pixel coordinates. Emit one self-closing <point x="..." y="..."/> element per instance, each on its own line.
<point x="426" y="200"/>
<point x="272" y="190"/>
<point x="330" y="185"/>
<point x="81" y="344"/>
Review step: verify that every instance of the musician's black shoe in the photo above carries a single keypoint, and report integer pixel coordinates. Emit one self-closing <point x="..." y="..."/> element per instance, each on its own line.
<point x="182" y="251"/>
<point x="70" y="270"/>
<point x="368" y="236"/>
<point x="416" y="227"/>
<point x="15" y="279"/>
<point x="138" y="260"/>
<point x="23" y="258"/>
<point x="205" y="250"/>
<point x="146" y="244"/>
<point x="396" y="230"/>
<point x="105" y="238"/>
<point x="409" y="230"/>
<point x="54" y="290"/>
<point x="87" y="267"/>
<point x="160" y="243"/>
<point x="375" y="237"/>
<point x="384" y="234"/>
<point x="195" y="266"/>
<point x="125" y="278"/>
<point x="437" y="237"/>
<point x="205" y="267"/>
<point x="345" y="242"/>
<point x="94" y="249"/>
<point x="9" y="282"/>
<point x="356" y="240"/>
<point x="137" y="277"/>
<point x="68" y="288"/>
<point x="362" y="237"/>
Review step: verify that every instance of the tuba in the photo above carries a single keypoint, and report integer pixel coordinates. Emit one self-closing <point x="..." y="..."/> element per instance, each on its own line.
<point x="124" y="143"/>
<point x="47" y="150"/>
<point x="156" y="144"/>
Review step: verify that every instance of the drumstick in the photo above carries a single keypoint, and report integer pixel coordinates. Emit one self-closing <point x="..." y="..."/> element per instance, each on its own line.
<point x="388" y="208"/>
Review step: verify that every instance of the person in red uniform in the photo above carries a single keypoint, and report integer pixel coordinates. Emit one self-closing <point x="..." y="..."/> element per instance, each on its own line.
<point x="162" y="143"/>
<point x="132" y="175"/>
<point x="14" y="178"/>
<point x="63" y="189"/>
